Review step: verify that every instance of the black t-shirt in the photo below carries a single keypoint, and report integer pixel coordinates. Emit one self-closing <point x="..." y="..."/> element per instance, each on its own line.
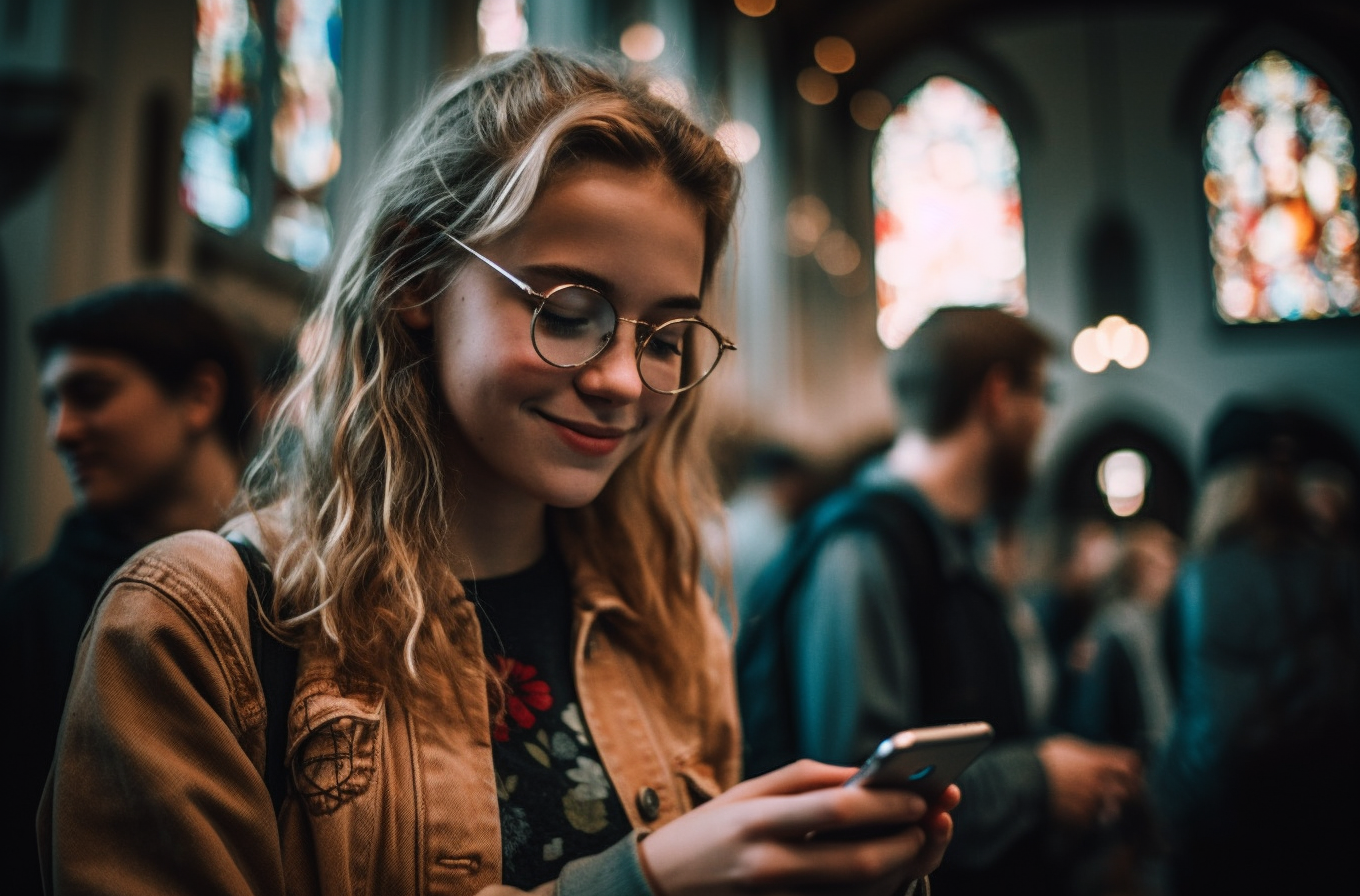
<point x="556" y="800"/>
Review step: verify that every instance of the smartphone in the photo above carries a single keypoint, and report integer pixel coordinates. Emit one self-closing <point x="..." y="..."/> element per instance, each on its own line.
<point x="926" y="760"/>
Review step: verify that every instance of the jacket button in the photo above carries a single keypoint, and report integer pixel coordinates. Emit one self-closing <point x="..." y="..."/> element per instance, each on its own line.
<point x="649" y="804"/>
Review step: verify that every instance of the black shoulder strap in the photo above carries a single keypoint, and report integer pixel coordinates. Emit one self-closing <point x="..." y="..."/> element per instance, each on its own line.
<point x="878" y="510"/>
<point x="275" y="664"/>
<point x="762" y="657"/>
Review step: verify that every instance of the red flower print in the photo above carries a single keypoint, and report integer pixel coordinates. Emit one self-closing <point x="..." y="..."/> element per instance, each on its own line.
<point x="524" y="693"/>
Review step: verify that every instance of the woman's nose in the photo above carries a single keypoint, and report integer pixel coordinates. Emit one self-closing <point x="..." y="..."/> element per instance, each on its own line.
<point x="613" y="374"/>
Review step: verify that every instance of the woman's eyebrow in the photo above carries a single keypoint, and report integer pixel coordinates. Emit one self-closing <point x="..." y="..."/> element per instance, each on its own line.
<point x="550" y="275"/>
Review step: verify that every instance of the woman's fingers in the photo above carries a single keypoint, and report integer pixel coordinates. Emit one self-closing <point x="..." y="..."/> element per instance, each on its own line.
<point x="949" y="800"/>
<point x="755" y="837"/>
<point x="793" y="817"/>
<point x="796" y="777"/>
<point x="782" y="865"/>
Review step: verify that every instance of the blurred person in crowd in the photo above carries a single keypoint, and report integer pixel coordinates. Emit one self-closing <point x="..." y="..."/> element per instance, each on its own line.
<point x="1086" y="550"/>
<point x="775" y="485"/>
<point x="1256" y="787"/>
<point x="1122" y="691"/>
<point x="1328" y="490"/>
<point x="877" y="616"/>
<point x="1007" y="565"/>
<point x="148" y="396"/>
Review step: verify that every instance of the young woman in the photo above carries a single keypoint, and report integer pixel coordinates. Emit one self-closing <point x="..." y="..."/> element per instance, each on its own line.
<point x="480" y="508"/>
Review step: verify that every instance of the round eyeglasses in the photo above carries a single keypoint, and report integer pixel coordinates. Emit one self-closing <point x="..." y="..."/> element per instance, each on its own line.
<point x="573" y="325"/>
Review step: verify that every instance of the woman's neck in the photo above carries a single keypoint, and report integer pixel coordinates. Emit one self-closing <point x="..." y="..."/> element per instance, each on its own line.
<point x="496" y="538"/>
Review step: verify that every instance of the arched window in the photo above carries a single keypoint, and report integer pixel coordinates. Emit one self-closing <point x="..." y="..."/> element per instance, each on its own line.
<point x="947" y="223"/>
<point x="229" y="180"/>
<point x="215" y="183"/>
<point x="1280" y="183"/>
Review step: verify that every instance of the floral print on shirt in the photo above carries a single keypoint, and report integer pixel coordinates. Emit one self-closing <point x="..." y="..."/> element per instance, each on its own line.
<point x="547" y="767"/>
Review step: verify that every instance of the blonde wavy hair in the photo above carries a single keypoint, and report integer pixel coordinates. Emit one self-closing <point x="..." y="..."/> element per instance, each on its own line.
<point x="351" y="464"/>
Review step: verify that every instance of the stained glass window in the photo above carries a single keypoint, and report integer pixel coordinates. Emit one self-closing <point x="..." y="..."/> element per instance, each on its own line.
<point x="215" y="183"/>
<point x="223" y="180"/>
<point x="306" y="146"/>
<point x="947" y="223"/>
<point x="1280" y="183"/>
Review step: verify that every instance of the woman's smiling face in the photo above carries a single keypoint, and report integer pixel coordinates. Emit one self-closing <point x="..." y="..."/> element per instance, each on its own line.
<point x="519" y="429"/>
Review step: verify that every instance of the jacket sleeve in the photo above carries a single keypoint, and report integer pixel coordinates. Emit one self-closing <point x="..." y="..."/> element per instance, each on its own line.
<point x="615" y="872"/>
<point x="151" y="789"/>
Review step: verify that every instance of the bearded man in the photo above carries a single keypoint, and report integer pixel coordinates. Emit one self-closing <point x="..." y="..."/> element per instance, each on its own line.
<point x="889" y="621"/>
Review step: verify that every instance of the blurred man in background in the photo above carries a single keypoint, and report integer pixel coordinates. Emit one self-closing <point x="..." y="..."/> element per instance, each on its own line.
<point x="148" y="396"/>
<point x="883" y="618"/>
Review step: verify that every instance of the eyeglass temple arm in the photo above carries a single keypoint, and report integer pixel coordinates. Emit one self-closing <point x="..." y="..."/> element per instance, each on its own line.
<point x="495" y="267"/>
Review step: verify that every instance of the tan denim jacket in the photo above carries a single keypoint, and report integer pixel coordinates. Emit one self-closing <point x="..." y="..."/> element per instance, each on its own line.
<point x="157" y="784"/>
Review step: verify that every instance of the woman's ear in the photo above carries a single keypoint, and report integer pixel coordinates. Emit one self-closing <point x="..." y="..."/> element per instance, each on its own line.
<point x="406" y="248"/>
<point x="415" y="309"/>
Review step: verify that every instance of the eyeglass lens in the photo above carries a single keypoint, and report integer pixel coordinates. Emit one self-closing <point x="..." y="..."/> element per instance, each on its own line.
<point x="575" y="324"/>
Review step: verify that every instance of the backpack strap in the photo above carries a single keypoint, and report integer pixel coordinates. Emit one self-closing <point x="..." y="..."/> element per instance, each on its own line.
<point x="275" y="664"/>
<point x="764" y="675"/>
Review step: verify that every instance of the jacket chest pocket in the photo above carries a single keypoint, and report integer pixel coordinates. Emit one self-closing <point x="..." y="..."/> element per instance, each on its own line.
<point x="334" y="757"/>
<point x="333" y="754"/>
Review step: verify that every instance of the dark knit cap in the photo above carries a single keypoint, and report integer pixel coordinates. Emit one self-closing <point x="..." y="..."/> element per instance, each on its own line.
<point x="1247" y="429"/>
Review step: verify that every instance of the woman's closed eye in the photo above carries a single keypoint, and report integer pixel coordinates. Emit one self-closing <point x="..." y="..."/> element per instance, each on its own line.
<point x="562" y="323"/>
<point x="663" y="344"/>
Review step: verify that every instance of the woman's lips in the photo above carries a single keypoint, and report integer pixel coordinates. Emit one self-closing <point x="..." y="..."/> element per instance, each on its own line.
<point x="586" y="438"/>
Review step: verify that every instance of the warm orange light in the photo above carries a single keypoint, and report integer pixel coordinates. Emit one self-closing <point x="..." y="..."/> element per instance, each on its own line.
<point x="816" y="86"/>
<point x="1087" y="351"/>
<point x="837" y="253"/>
<point x="1108" y="329"/>
<point x="1113" y="339"/>
<point x="834" y="54"/>
<point x="755" y="8"/>
<point x="1130" y="346"/>
<point x="805" y="222"/>
<point x="870" y="109"/>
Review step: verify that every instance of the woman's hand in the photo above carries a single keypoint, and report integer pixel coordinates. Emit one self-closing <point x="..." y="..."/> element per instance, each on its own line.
<point x="755" y="838"/>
